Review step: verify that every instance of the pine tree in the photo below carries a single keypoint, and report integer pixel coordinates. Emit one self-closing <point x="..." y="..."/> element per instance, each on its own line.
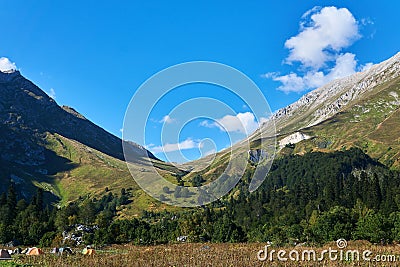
<point x="39" y="199"/>
<point x="11" y="205"/>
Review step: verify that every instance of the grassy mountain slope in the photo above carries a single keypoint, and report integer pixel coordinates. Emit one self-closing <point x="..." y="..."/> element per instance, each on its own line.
<point x="371" y="123"/>
<point x="95" y="171"/>
<point x="56" y="148"/>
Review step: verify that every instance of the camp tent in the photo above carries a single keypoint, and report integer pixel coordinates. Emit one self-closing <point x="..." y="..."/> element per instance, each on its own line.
<point x="61" y="251"/>
<point x="4" y="254"/>
<point x="34" y="251"/>
<point x="88" y="251"/>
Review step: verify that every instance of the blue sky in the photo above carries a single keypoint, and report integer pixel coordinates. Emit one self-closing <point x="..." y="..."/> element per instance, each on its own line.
<point x="93" y="55"/>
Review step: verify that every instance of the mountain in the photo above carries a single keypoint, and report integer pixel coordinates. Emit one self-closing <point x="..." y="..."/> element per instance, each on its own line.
<point x="56" y="148"/>
<point x="25" y="106"/>
<point x="328" y="100"/>
<point x="361" y="110"/>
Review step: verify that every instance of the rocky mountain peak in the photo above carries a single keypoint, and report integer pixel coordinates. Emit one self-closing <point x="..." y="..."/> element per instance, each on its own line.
<point x="326" y="101"/>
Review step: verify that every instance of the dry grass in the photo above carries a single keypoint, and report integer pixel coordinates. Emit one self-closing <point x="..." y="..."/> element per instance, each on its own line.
<point x="200" y="255"/>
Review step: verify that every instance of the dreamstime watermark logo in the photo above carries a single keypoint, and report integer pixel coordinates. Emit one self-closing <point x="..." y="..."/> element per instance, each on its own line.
<point x="340" y="253"/>
<point x="150" y="175"/>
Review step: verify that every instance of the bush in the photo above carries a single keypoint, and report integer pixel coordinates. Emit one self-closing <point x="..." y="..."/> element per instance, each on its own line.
<point x="47" y="239"/>
<point x="373" y="227"/>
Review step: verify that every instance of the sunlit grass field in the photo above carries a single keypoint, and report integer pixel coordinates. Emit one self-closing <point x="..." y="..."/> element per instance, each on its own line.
<point x="205" y="254"/>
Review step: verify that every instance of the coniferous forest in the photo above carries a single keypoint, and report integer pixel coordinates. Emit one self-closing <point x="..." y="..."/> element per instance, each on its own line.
<point x="315" y="198"/>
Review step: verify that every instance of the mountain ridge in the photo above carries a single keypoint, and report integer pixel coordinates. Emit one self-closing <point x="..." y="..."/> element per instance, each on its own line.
<point x="29" y="102"/>
<point x="343" y="90"/>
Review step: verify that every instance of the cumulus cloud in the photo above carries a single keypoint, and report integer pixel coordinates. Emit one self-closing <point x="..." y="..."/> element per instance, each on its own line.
<point x="366" y="66"/>
<point x="167" y="119"/>
<point x="323" y="31"/>
<point x="186" y="144"/>
<point x="345" y="65"/>
<point x="318" y="48"/>
<point x="242" y="122"/>
<point x="6" y="65"/>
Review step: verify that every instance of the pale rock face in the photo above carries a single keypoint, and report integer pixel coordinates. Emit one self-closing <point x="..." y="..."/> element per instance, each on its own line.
<point x="293" y="139"/>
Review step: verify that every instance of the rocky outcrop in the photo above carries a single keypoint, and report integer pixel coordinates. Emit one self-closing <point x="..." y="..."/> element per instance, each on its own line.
<point x="257" y="155"/>
<point x="74" y="235"/>
<point x="293" y="139"/>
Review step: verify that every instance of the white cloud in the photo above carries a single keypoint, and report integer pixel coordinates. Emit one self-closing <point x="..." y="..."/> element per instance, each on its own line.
<point x="186" y="144"/>
<point x="366" y="66"/>
<point x="207" y="124"/>
<point x="7" y="65"/>
<point x="52" y="93"/>
<point x="324" y="33"/>
<point x="345" y="65"/>
<point x="242" y="122"/>
<point x="167" y="119"/>
<point x="290" y="82"/>
<point x="367" y="21"/>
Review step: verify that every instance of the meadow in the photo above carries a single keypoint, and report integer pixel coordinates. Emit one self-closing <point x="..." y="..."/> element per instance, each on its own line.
<point x="206" y="254"/>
